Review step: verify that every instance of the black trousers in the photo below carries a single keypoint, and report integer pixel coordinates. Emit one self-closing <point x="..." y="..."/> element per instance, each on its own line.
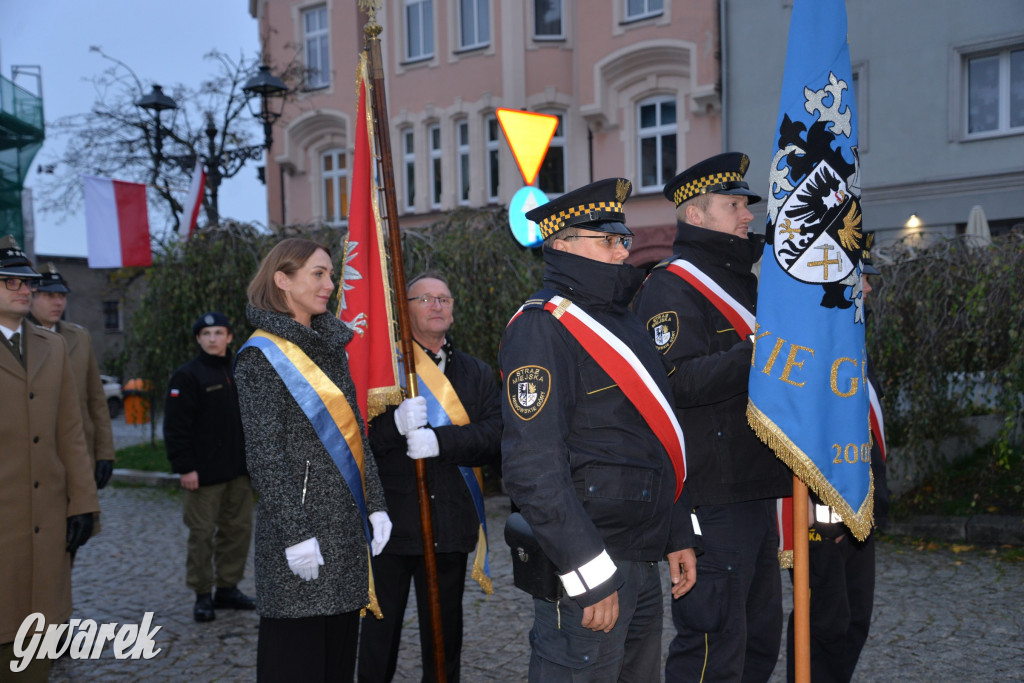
<point x="729" y="626"/>
<point x="379" y="638"/>
<point x="842" y="582"/>
<point x="308" y="648"/>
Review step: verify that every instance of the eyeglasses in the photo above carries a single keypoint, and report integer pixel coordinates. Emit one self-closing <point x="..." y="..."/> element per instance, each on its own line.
<point x="13" y="284"/>
<point x="444" y="301"/>
<point x="610" y="241"/>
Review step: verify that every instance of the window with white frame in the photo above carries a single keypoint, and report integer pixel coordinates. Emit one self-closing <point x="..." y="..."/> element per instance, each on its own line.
<point x="994" y="91"/>
<point x="409" y="167"/>
<point x="639" y="9"/>
<point x="656" y="141"/>
<point x="434" y="136"/>
<point x="334" y="176"/>
<point x="462" y="152"/>
<point x="547" y="19"/>
<point x="419" y="29"/>
<point x="551" y="177"/>
<point x="474" y="23"/>
<point x="493" y="166"/>
<point x="316" y="43"/>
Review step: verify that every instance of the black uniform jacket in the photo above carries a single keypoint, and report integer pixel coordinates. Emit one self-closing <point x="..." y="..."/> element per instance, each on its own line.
<point x="202" y="423"/>
<point x="726" y="462"/>
<point x="582" y="465"/>
<point x="455" y="521"/>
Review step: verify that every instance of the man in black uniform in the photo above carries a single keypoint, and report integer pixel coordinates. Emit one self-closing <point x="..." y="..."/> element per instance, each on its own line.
<point x="842" y="569"/>
<point x="399" y="437"/>
<point x="205" y="444"/>
<point x="580" y="455"/>
<point x="730" y="626"/>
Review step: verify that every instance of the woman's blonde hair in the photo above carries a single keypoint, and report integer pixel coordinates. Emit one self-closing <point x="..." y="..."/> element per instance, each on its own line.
<point x="287" y="256"/>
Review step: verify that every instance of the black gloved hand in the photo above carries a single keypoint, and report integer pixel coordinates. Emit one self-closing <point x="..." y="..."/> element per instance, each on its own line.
<point x="79" y="531"/>
<point x="104" y="468"/>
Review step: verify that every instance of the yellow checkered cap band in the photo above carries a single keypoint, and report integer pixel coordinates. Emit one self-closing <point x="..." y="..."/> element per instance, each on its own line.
<point x="710" y="183"/>
<point x="593" y="211"/>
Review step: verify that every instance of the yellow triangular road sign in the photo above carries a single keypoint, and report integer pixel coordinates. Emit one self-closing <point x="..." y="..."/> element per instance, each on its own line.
<point x="528" y="134"/>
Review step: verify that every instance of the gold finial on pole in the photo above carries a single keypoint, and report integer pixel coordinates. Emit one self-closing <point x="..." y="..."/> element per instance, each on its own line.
<point x="372" y="29"/>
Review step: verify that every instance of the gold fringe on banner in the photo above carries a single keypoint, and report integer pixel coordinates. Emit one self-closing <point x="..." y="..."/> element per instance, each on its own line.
<point x="859" y="522"/>
<point x="378" y="400"/>
<point x="786" y="559"/>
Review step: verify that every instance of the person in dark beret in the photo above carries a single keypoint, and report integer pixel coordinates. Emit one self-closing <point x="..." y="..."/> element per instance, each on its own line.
<point x="205" y="444"/>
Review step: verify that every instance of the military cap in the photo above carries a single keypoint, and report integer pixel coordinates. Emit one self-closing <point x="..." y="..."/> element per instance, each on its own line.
<point x="720" y="174"/>
<point x="597" y="206"/>
<point x="13" y="262"/>
<point x="211" y="319"/>
<point x="53" y="281"/>
<point x="867" y="266"/>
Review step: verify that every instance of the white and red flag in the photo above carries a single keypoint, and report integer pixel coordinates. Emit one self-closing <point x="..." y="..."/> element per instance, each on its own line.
<point x="116" y="223"/>
<point x="194" y="200"/>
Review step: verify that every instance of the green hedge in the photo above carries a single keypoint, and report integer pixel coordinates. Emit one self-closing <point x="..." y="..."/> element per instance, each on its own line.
<point x="945" y="338"/>
<point x="490" y="276"/>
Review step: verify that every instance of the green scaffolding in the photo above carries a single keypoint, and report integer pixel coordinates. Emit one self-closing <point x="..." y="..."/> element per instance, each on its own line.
<point x="21" y="137"/>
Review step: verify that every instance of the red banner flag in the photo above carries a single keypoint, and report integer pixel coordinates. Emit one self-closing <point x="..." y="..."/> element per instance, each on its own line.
<point x="366" y="287"/>
<point x="194" y="200"/>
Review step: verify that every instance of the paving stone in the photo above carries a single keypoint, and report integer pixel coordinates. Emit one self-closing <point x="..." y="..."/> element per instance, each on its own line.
<point x="940" y="615"/>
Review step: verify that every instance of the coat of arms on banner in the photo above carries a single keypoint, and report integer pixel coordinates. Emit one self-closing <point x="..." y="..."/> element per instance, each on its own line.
<point x="814" y="206"/>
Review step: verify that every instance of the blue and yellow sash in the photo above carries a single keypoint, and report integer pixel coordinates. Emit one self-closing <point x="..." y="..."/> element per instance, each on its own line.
<point x="327" y="409"/>
<point x="444" y="408"/>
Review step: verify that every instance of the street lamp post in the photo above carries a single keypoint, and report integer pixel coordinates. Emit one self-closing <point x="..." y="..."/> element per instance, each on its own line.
<point x="156" y="103"/>
<point x="220" y="163"/>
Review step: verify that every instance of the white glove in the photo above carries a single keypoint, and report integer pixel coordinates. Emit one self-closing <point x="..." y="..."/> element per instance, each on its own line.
<point x="381" y="525"/>
<point x="305" y="559"/>
<point x="422" y="443"/>
<point x="410" y="414"/>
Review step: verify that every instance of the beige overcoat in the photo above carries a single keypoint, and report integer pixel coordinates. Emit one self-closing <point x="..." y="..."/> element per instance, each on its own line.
<point x="45" y="477"/>
<point x="99" y="439"/>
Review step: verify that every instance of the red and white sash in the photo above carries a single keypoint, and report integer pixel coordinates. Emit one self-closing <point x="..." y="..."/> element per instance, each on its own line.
<point x="626" y="370"/>
<point x="742" y="320"/>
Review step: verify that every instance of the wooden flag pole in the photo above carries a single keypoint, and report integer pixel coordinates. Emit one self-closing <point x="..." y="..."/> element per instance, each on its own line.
<point x="801" y="585"/>
<point x="383" y="140"/>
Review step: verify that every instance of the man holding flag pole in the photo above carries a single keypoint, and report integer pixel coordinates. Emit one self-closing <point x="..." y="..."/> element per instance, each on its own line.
<point x="698" y="307"/>
<point x="368" y="309"/>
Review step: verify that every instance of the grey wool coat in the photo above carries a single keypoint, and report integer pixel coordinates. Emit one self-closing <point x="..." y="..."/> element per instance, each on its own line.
<point x="279" y="440"/>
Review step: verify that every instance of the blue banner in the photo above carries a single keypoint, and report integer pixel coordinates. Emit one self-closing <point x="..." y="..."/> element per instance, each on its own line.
<point x="808" y="385"/>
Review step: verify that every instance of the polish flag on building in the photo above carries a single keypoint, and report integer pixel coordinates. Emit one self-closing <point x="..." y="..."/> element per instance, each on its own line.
<point x="116" y="223"/>
<point x="194" y="201"/>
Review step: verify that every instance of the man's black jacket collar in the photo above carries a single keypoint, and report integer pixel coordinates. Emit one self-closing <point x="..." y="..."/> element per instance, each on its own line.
<point x="589" y="283"/>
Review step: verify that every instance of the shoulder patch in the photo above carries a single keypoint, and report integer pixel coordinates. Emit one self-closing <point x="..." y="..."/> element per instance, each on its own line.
<point x="528" y="388"/>
<point x="664" y="328"/>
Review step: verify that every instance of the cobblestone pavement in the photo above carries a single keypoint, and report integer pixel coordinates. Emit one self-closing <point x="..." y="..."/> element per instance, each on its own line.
<point x="940" y="615"/>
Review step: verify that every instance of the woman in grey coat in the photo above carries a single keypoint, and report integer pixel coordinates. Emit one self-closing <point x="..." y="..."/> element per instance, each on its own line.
<point x="311" y="547"/>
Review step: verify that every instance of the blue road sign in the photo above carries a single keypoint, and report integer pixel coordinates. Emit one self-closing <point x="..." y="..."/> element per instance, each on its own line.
<point x="524" y="230"/>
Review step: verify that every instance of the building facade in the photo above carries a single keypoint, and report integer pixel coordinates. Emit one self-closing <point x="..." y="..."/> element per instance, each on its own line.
<point x="635" y="84"/>
<point x="939" y="88"/>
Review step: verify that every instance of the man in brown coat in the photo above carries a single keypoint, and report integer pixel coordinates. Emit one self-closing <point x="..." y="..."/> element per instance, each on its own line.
<point x="48" y="303"/>
<point x="47" y="490"/>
